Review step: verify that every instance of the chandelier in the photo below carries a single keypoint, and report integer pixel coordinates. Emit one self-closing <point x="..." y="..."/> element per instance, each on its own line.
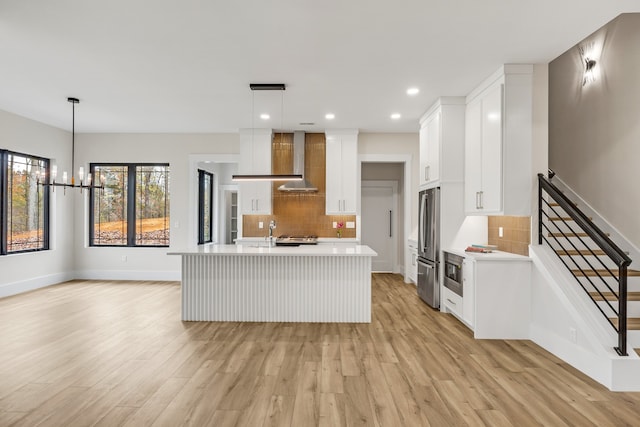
<point x="82" y="183"/>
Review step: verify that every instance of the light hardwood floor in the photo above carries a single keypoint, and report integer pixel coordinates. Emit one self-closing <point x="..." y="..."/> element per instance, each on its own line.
<point x="116" y="353"/>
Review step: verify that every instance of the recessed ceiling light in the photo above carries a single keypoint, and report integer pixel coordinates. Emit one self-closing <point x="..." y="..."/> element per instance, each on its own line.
<point x="395" y="116"/>
<point x="265" y="116"/>
<point x="413" y="91"/>
<point x="329" y="116"/>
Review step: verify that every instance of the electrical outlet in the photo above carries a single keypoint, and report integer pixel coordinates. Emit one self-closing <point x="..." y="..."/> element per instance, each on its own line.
<point x="176" y="224"/>
<point x="351" y="224"/>
<point x="573" y="335"/>
<point x="124" y="258"/>
<point x="260" y="224"/>
<point x="335" y="224"/>
<point x="500" y="232"/>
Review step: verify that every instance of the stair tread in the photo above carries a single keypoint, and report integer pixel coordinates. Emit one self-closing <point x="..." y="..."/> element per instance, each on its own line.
<point x="563" y="218"/>
<point x="573" y="252"/>
<point x="554" y="204"/>
<point x="572" y="234"/>
<point x="633" y="323"/>
<point x="631" y="296"/>
<point x="589" y="272"/>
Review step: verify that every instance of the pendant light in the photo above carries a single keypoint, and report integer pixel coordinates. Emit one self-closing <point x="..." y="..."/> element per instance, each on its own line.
<point x="54" y="169"/>
<point x="270" y="177"/>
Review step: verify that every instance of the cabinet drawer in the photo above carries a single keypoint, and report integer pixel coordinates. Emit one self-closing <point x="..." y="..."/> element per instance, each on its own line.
<point x="452" y="301"/>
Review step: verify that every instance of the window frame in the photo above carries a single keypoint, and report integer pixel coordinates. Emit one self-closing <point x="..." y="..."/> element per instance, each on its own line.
<point x="4" y="203"/>
<point x="202" y="175"/>
<point x="131" y="204"/>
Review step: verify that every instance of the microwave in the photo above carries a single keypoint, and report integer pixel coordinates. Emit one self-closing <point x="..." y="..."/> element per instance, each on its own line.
<point x="453" y="272"/>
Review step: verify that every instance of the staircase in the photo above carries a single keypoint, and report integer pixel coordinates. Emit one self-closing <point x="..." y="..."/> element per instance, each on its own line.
<point x="597" y="264"/>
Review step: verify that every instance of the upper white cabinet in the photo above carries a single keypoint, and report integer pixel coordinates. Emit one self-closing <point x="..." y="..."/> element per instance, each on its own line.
<point x="498" y="144"/>
<point x="442" y="142"/>
<point x="341" y="172"/>
<point x="430" y="149"/>
<point x="255" y="158"/>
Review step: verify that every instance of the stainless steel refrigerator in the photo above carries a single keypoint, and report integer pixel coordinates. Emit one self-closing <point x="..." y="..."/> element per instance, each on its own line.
<point x="429" y="246"/>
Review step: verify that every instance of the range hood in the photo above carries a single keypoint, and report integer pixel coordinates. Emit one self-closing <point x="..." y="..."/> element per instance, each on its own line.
<point x="303" y="186"/>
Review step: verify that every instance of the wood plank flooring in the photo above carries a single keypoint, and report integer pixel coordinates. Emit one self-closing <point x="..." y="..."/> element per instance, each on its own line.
<point x="116" y="354"/>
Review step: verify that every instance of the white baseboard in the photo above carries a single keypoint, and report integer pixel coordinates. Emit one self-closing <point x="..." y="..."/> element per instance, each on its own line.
<point x="15" y="288"/>
<point x="171" y="275"/>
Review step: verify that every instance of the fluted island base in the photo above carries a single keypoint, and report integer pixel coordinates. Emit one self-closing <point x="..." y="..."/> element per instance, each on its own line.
<point x="315" y="284"/>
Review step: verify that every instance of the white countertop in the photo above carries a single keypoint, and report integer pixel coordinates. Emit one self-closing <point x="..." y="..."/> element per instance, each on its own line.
<point x="492" y="256"/>
<point x="261" y="248"/>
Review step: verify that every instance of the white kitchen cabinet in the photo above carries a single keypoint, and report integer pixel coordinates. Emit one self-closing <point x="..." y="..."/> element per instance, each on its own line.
<point x="496" y="301"/>
<point x="255" y="158"/>
<point x="442" y="142"/>
<point x="430" y="149"/>
<point x="498" y="175"/>
<point x="341" y="172"/>
<point x="453" y="303"/>
<point x="412" y="273"/>
<point x="468" y="290"/>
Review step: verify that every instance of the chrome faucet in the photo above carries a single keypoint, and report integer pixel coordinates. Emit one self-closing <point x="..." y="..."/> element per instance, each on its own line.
<point x="272" y="225"/>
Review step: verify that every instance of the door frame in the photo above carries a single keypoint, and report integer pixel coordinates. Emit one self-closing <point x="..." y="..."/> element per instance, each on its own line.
<point x="407" y="160"/>
<point x="394" y="222"/>
<point x="192" y="220"/>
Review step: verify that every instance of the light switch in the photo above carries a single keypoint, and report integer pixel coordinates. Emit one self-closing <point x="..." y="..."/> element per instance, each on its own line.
<point x="335" y="224"/>
<point x="176" y="224"/>
<point x="351" y="224"/>
<point x="260" y="224"/>
<point x="500" y="232"/>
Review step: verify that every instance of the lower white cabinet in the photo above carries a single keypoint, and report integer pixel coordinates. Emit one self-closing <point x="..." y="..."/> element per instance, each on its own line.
<point x="412" y="273"/>
<point x="496" y="301"/>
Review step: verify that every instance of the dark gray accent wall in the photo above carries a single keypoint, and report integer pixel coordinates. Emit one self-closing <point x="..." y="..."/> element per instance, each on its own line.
<point x="594" y="129"/>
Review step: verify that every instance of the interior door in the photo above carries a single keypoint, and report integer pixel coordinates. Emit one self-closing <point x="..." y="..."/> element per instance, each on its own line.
<point x="378" y="224"/>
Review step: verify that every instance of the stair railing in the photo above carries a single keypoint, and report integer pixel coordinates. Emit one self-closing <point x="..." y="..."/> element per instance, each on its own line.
<point x="585" y="276"/>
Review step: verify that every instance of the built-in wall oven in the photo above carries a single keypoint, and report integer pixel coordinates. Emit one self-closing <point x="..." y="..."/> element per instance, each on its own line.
<point x="453" y="272"/>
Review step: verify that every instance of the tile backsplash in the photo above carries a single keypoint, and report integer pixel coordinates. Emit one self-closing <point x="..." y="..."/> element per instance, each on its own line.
<point x="299" y="213"/>
<point x="516" y="233"/>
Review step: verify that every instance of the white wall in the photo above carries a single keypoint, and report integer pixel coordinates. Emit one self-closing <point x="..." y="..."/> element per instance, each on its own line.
<point x="21" y="272"/>
<point x="144" y="263"/>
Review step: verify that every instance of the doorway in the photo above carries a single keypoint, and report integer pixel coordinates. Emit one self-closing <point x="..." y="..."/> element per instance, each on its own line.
<point x="379" y="222"/>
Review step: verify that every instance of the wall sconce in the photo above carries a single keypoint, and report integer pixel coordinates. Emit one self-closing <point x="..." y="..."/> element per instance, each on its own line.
<point x="589" y="62"/>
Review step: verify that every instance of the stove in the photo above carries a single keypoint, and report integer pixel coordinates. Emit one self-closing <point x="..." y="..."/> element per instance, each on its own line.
<point x="285" y="240"/>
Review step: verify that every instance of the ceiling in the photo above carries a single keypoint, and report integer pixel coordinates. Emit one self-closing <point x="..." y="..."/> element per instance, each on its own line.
<point x="185" y="66"/>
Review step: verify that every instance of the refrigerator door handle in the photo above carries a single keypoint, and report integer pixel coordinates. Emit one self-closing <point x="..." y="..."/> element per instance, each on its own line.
<point x="423" y="236"/>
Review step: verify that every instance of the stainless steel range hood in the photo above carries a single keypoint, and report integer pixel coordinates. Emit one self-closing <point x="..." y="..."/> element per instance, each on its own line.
<point x="303" y="186"/>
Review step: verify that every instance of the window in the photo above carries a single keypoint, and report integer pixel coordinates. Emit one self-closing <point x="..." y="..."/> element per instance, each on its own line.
<point x="133" y="208"/>
<point x="205" y="206"/>
<point x="25" y="204"/>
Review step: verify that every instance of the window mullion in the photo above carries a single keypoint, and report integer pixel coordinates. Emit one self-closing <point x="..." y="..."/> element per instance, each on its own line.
<point x="3" y="203"/>
<point x="131" y="205"/>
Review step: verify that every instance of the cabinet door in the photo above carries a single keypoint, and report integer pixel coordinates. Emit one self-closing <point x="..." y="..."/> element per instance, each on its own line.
<point x="255" y="158"/>
<point x="341" y="174"/>
<point x="433" y="149"/>
<point x="349" y="176"/>
<point x="472" y="155"/>
<point x="491" y="158"/>
<point x="468" y="290"/>
<point x="333" y="176"/>
<point x="424" y="154"/>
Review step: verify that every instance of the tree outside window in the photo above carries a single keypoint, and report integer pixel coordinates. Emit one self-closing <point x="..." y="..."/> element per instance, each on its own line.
<point x="133" y="208"/>
<point x="25" y="203"/>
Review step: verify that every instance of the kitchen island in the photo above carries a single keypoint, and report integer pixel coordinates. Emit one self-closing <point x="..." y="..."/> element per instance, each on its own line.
<point x="259" y="283"/>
